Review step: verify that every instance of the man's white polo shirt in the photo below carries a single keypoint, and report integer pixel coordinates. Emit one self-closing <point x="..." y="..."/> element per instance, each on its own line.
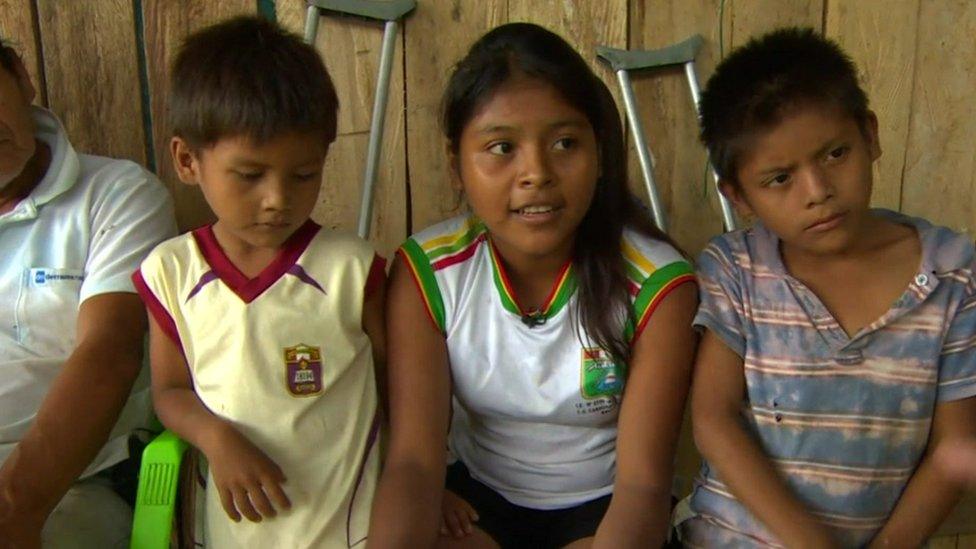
<point x="82" y="232"/>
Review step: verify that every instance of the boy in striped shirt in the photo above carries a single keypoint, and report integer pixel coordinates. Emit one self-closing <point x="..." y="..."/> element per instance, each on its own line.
<point x="839" y="345"/>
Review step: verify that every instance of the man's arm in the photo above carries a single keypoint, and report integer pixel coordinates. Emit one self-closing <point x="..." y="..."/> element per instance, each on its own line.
<point x="930" y="495"/>
<point x="76" y="417"/>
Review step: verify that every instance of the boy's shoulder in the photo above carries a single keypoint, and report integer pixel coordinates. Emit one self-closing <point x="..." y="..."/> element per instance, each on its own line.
<point x="740" y="251"/>
<point x="944" y="250"/>
<point x="177" y="248"/>
<point x="340" y="243"/>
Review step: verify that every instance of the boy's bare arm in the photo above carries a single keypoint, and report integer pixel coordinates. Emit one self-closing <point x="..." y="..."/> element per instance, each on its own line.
<point x="718" y="390"/>
<point x="407" y="505"/>
<point x="76" y="417"/>
<point x="248" y="482"/>
<point x="649" y="424"/>
<point x="929" y="496"/>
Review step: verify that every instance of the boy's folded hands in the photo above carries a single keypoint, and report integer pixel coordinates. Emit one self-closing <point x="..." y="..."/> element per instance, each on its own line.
<point x="457" y="516"/>
<point x="248" y="481"/>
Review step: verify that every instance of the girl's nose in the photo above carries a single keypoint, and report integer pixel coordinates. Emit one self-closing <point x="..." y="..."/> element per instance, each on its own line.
<point x="535" y="170"/>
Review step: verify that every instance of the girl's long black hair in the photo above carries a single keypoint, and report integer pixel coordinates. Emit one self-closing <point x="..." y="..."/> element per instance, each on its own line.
<point x="524" y="48"/>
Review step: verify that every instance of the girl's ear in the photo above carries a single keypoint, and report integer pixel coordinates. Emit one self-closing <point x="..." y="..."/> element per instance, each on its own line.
<point x="185" y="161"/>
<point x="454" y="168"/>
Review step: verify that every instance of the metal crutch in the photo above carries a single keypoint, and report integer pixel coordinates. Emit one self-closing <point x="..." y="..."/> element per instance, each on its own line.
<point x="622" y="61"/>
<point x="389" y="11"/>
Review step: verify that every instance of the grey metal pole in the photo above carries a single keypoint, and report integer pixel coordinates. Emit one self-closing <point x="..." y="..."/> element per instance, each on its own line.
<point x="637" y="131"/>
<point x="376" y="127"/>
<point x="728" y="215"/>
<point x="311" y="24"/>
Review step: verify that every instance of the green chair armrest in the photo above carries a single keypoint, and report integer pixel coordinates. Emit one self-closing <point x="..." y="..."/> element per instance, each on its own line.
<point x="159" y="476"/>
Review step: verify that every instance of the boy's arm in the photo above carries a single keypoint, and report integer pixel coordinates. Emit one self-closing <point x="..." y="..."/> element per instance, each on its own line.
<point x="929" y="496"/>
<point x="717" y="394"/>
<point x="76" y="416"/>
<point x="649" y="424"/>
<point x="246" y="479"/>
<point x="407" y="506"/>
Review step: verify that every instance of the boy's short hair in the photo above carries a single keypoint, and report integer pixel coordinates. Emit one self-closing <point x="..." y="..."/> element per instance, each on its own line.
<point x="758" y="83"/>
<point x="248" y="76"/>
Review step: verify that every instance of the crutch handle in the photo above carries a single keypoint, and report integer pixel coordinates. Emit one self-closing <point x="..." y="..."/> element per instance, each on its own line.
<point x="383" y="10"/>
<point x="676" y="54"/>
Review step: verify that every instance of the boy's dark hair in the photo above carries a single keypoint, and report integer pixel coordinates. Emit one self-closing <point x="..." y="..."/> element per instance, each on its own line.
<point x="757" y="84"/>
<point x="523" y="48"/>
<point x="248" y="76"/>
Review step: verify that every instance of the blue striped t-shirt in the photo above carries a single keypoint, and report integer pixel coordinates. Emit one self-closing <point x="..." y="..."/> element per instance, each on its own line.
<point x="844" y="419"/>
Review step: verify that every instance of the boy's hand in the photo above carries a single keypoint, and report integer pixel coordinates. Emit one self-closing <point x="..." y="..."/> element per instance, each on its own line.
<point x="246" y="479"/>
<point x="456" y="516"/>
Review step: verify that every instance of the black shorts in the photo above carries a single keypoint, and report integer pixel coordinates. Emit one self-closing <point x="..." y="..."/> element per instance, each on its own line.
<point x="513" y="526"/>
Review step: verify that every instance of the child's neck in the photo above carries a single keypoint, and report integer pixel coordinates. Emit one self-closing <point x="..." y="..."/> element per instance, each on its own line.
<point x="532" y="278"/>
<point x="250" y="260"/>
<point x="861" y="285"/>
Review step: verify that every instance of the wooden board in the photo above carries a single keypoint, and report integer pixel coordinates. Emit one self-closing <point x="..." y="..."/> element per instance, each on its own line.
<point x="18" y="28"/>
<point x="671" y="130"/>
<point x="669" y="118"/>
<point x="351" y="48"/>
<point x="438" y="34"/>
<point x="92" y="76"/>
<point x="750" y="18"/>
<point x="943" y="542"/>
<point x="585" y="25"/>
<point x="940" y="165"/>
<point x="167" y="23"/>
<point x="885" y="58"/>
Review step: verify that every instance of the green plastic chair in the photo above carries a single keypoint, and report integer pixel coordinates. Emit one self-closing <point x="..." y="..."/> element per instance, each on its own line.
<point x="159" y="475"/>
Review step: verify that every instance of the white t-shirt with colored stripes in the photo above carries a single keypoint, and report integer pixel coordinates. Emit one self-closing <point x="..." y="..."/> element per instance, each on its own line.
<point x="535" y="409"/>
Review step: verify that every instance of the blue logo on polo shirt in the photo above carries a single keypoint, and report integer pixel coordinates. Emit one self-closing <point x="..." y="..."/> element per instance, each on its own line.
<point x="40" y="277"/>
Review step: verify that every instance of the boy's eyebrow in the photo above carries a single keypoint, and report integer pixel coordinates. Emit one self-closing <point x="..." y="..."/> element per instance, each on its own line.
<point x="830" y="144"/>
<point x="775" y="169"/>
<point x="249" y="163"/>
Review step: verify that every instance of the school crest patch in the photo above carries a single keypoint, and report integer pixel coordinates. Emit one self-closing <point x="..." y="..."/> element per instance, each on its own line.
<point x="599" y="375"/>
<point x="303" y="370"/>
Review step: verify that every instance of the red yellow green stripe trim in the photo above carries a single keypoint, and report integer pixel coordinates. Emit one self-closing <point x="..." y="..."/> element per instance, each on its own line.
<point x="446" y="245"/>
<point x="639" y="267"/>
<point x="423" y="275"/>
<point x="654" y="289"/>
<point x="558" y="297"/>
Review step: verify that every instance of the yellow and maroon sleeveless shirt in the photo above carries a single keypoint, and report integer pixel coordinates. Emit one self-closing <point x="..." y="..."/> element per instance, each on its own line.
<point x="282" y="356"/>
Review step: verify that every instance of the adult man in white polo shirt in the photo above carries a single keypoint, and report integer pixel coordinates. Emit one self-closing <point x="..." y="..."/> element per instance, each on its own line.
<point x="73" y="228"/>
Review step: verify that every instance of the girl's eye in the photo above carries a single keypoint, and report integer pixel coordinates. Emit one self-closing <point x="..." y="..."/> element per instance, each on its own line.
<point x="564" y="143"/>
<point x="837" y="153"/>
<point x="500" y="148"/>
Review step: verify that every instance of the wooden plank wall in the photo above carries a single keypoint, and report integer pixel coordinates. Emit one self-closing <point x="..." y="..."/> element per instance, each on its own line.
<point x="917" y="73"/>
<point x="101" y="66"/>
